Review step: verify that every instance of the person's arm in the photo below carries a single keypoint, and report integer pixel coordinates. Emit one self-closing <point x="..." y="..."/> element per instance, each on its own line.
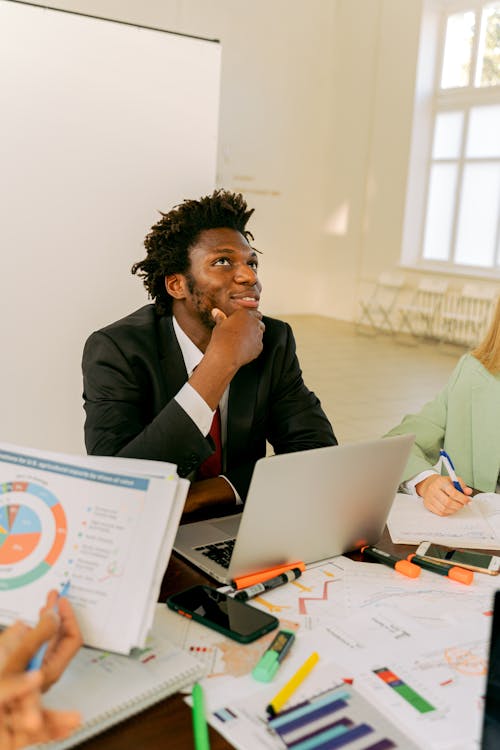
<point x="235" y="341"/>
<point x="118" y="401"/>
<point x="120" y="418"/>
<point x="429" y="428"/>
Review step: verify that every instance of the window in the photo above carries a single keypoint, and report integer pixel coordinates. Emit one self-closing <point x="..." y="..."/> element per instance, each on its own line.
<point x="462" y="211"/>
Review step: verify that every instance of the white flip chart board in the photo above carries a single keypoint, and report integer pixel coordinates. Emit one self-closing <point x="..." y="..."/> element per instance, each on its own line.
<point x="102" y="125"/>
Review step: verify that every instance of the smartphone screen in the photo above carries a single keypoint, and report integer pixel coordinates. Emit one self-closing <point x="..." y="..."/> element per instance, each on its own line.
<point x="479" y="559"/>
<point x="217" y="610"/>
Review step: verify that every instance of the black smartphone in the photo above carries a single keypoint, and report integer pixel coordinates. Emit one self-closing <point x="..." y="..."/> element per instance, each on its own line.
<point x="234" y="618"/>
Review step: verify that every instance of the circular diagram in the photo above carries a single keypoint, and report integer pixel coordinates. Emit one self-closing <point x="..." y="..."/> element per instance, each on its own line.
<point x="22" y="526"/>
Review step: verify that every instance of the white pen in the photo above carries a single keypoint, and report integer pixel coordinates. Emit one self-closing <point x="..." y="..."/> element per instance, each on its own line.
<point x="448" y="463"/>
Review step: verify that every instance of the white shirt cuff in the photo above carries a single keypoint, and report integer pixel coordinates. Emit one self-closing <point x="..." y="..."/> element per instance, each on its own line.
<point x="195" y="407"/>
<point x="409" y="486"/>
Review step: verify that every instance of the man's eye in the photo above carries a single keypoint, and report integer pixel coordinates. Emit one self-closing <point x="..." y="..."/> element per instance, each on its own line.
<point x="222" y="262"/>
<point x="254" y="265"/>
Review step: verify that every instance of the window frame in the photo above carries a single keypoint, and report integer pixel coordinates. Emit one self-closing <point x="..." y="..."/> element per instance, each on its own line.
<point x="456" y="99"/>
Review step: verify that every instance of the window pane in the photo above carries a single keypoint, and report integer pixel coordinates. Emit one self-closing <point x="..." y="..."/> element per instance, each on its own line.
<point x="483" y="138"/>
<point x="448" y="135"/>
<point x="440" y="211"/>
<point x="457" y="50"/>
<point x="478" y="217"/>
<point x="489" y="51"/>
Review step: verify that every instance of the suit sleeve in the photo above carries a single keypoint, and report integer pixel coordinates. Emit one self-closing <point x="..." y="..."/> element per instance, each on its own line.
<point x="118" y="419"/>
<point x="429" y="428"/>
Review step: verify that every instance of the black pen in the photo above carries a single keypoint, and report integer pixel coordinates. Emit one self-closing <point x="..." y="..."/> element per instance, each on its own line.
<point x="272" y="583"/>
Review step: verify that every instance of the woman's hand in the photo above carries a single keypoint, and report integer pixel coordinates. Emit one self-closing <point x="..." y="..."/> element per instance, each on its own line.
<point x="440" y="496"/>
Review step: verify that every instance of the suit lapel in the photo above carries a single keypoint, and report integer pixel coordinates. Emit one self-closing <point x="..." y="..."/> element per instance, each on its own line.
<point x="241" y="408"/>
<point x="171" y="359"/>
<point x="485" y="419"/>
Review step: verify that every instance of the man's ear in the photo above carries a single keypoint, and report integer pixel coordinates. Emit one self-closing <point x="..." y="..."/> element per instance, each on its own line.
<point x="175" y="284"/>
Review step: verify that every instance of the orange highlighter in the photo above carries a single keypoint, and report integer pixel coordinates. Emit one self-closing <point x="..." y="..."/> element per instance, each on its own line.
<point x="444" y="569"/>
<point x="261" y="576"/>
<point x="403" y="566"/>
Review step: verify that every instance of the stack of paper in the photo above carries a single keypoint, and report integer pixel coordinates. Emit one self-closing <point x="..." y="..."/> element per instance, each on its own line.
<point x="104" y="524"/>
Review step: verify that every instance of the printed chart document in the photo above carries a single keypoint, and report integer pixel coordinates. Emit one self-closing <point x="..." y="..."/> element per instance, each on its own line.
<point x="402" y="661"/>
<point x="477" y="525"/>
<point x="105" y="525"/>
<point x="107" y="688"/>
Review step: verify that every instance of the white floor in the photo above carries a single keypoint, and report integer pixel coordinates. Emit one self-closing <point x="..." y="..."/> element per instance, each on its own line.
<point x="366" y="384"/>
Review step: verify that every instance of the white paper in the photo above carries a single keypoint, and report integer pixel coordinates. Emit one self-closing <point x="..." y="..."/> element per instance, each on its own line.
<point x="477" y="525"/>
<point x="88" y="521"/>
<point x="431" y="632"/>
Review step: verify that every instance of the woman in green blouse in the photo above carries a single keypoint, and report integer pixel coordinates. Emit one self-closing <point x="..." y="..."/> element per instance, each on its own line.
<point x="464" y="420"/>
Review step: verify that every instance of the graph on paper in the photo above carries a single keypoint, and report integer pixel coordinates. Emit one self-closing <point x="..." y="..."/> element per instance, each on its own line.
<point x="33" y="531"/>
<point x="337" y="718"/>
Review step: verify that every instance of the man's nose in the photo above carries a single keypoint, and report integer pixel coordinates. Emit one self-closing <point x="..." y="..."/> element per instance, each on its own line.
<point x="245" y="275"/>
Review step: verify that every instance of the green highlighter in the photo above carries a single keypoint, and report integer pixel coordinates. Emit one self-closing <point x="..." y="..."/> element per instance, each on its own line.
<point x="269" y="662"/>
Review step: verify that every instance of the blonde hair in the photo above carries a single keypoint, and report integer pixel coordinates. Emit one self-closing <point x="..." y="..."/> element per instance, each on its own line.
<point x="488" y="351"/>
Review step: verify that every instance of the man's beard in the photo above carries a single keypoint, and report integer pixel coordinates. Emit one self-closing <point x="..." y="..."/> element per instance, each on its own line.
<point x="200" y="302"/>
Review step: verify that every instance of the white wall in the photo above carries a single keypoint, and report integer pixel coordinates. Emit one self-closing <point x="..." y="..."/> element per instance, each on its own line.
<point x="316" y="114"/>
<point x="275" y="119"/>
<point x="100" y="128"/>
<point x="315" y="121"/>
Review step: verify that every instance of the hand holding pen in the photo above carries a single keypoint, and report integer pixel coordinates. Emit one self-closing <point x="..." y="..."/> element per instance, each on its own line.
<point x="444" y="495"/>
<point x="25" y="719"/>
<point x="58" y="628"/>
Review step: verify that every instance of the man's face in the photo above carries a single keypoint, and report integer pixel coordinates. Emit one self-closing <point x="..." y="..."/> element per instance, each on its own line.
<point x="222" y="274"/>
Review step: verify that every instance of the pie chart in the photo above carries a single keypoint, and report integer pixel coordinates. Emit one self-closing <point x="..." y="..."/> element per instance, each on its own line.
<point x="20" y="532"/>
<point x="29" y="513"/>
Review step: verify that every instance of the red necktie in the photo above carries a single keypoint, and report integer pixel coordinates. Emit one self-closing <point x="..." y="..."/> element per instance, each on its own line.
<point x="212" y="466"/>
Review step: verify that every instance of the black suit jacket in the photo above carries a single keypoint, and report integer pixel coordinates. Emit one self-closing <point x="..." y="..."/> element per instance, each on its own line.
<point x="132" y="369"/>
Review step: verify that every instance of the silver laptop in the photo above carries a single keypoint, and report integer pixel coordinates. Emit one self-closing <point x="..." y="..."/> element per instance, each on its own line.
<point x="305" y="506"/>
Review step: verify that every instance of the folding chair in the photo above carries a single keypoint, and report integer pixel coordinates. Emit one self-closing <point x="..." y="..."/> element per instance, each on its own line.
<point x="419" y="316"/>
<point x="466" y="321"/>
<point x="377" y="309"/>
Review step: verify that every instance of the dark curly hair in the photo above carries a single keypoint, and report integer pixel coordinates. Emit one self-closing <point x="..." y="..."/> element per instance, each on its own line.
<point x="169" y="240"/>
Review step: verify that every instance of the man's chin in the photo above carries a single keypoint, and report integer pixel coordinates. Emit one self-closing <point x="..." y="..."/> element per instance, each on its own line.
<point x="207" y="319"/>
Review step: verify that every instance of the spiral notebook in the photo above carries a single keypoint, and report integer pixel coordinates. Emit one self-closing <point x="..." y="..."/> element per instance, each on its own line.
<point x="107" y="688"/>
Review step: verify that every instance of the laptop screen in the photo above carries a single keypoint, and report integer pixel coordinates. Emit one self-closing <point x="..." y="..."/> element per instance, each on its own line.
<point x="491" y="722"/>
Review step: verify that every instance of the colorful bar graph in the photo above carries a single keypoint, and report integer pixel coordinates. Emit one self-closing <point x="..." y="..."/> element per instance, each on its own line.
<point x="335" y="719"/>
<point x="404" y="690"/>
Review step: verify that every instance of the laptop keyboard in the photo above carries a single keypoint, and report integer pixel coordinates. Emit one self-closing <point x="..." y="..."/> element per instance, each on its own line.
<point x="219" y="553"/>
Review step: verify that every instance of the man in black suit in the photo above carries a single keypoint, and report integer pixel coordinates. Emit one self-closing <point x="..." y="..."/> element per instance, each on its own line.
<point x="200" y="378"/>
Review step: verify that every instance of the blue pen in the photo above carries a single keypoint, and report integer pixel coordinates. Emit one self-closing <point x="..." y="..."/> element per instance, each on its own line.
<point x="37" y="660"/>
<point x="448" y="463"/>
